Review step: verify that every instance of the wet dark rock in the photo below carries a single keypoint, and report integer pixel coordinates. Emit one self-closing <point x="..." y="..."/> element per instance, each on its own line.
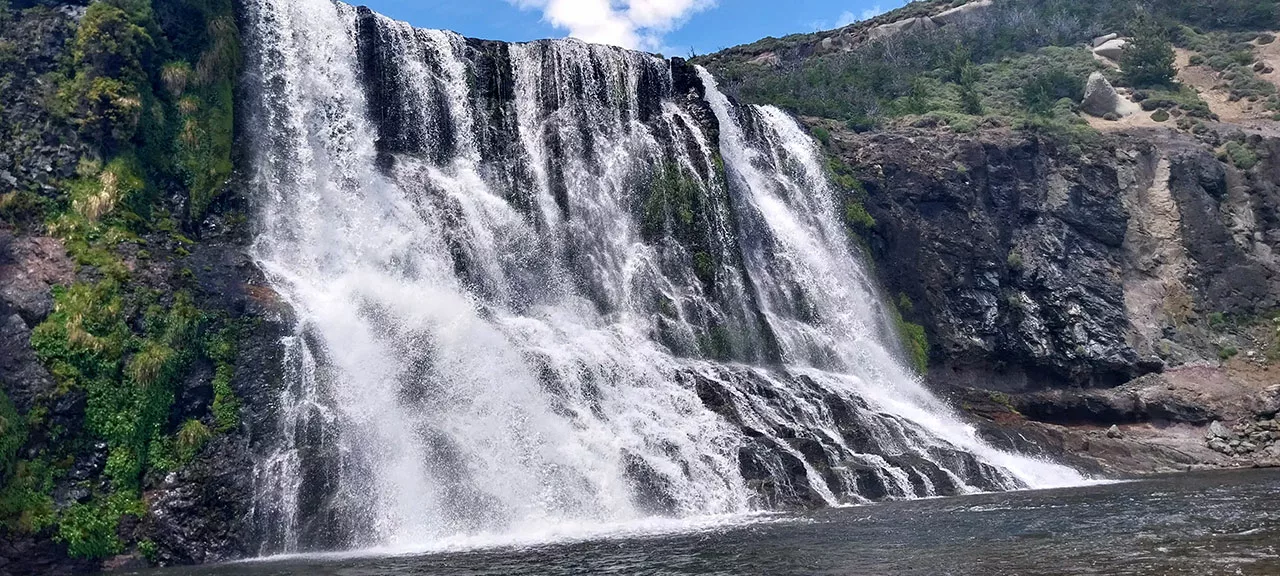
<point x="1009" y="249"/>
<point x="25" y="378"/>
<point x="90" y="464"/>
<point x="651" y="490"/>
<point x="201" y="513"/>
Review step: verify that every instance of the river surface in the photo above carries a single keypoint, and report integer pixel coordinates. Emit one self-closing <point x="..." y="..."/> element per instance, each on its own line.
<point x="1193" y="524"/>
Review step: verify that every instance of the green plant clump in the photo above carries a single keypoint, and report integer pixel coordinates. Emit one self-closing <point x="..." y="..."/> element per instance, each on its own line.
<point x="915" y="340"/>
<point x="13" y="434"/>
<point x="1241" y="155"/>
<point x="89" y="530"/>
<point x="1148" y="59"/>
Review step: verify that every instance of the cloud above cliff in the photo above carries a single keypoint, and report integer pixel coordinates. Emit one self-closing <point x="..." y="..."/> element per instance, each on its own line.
<point x="846" y="18"/>
<point x="638" y="24"/>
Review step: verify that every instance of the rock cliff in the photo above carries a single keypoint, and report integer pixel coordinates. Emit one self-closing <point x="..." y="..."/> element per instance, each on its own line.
<point x="1127" y="282"/>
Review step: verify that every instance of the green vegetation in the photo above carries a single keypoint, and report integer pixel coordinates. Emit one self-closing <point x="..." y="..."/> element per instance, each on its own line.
<point x="915" y="341"/>
<point x="89" y="530"/>
<point x="1241" y="155"/>
<point x="1148" y="59"/>
<point x="1231" y="54"/>
<point x="26" y="506"/>
<point x="13" y="434"/>
<point x="955" y="69"/>
<point x="221" y="348"/>
<point x="1183" y="99"/>
<point x="1014" y="260"/>
<point x="149" y="88"/>
<point x="1004" y="400"/>
<point x="670" y="206"/>
<point x="1023" y="64"/>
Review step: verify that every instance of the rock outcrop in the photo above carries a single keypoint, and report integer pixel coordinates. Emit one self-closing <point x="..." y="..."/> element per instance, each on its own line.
<point x="1100" y="97"/>
<point x="1057" y="277"/>
<point x="907" y="25"/>
<point x="959" y="13"/>
<point x="1113" y="48"/>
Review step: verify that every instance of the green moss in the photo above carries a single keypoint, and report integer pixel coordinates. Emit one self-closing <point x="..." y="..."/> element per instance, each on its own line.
<point x="1004" y="400"/>
<point x="856" y="216"/>
<point x="221" y="348"/>
<point x="842" y="176"/>
<point x="917" y="344"/>
<point x="148" y="549"/>
<point x="822" y="135"/>
<point x="106" y="94"/>
<point x="670" y="205"/>
<point x="717" y="343"/>
<point x="1014" y="260"/>
<point x="128" y="378"/>
<point x="905" y="305"/>
<point x="704" y="267"/>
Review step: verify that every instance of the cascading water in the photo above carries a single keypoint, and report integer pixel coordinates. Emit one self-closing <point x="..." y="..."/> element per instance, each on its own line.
<point x="556" y="284"/>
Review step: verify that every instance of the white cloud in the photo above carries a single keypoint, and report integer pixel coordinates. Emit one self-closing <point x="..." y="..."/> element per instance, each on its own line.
<point x="846" y="18"/>
<point x="637" y="24"/>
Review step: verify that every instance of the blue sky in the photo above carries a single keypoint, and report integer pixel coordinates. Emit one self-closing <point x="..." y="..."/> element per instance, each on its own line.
<point x="673" y="27"/>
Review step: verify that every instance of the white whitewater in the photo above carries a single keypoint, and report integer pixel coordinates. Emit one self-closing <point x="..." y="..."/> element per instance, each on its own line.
<point x="488" y="341"/>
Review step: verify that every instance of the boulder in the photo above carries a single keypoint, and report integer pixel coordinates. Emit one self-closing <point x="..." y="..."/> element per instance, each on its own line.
<point x="1103" y="39"/>
<point x="962" y="12"/>
<point x="1100" y="97"/>
<point x="1268" y="405"/>
<point x="1112" y="48"/>
<point x="918" y="24"/>
<point x="1219" y="431"/>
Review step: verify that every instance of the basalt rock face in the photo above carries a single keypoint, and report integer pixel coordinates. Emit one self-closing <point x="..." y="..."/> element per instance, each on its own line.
<point x="38" y="148"/>
<point x="1083" y="287"/>
<point x="1031" y="264"/>
<point x="1010" y="250"/>
<point x="1231" y="227"/>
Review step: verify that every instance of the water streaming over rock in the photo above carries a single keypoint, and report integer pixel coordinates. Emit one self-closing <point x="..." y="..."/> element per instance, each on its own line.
<point x="560" y="284"/>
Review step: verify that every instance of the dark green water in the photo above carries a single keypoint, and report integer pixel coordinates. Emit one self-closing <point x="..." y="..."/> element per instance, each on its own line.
<point x="1192" y="524"/>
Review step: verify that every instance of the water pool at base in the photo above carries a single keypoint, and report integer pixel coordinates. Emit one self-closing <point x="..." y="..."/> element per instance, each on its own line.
<point x="1188" y="524"/>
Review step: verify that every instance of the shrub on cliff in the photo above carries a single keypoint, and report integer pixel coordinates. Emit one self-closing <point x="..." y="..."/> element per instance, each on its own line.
<point x="106" y="93"/>
<point x="1148" y="59"/>
<point x="12" y="434"/>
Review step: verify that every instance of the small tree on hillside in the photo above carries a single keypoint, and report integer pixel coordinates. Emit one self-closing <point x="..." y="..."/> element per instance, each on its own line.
<point x="1148" y="59"/>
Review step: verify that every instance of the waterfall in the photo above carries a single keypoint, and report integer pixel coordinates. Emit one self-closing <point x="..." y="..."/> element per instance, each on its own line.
<point x="560" y="284"/>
